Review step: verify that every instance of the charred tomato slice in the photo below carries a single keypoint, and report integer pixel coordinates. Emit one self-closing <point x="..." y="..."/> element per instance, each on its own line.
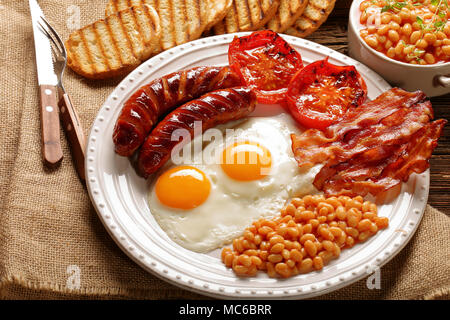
<point x="321" y="93"/>
<point x="266" y="63"/>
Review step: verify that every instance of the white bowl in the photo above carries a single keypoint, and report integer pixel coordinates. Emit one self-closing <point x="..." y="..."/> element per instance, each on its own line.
<point x="433" y="79"/>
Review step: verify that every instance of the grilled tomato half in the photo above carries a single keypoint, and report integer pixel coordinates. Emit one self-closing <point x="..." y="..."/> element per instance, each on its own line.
<point x="321" y="93"/>
<point x="265" y="63"/>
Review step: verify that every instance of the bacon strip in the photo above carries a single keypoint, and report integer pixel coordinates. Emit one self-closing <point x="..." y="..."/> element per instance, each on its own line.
<point x="374" y="147"/>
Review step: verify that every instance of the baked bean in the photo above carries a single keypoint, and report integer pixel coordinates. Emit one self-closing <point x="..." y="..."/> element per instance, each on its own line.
<point x="350" y="242"/>
<point x="277" y="248"/>
<point x="363" y="236"/>
<point x="385" y="17"/>
<point x="342" y="225"/>
<point x="310" y="248"/>
<point x="373" y="228"/>
<point x="383" y="30"/>
<point x="306" y="265"/>
<point x="394" y="25"/>
<point x="352" y="232"/>
<point x="369" y="215"/>
<point x="364" y="225"/>
<point x="244" y="260"/>
<point x="307" y="228"/>
<point x="285" y="254"/>
<point x="271" y="270"/>
<point x="326" y="234"/>
<point x="334" y="202"/>
<point x="393" y="36"/>
<point x="306" y="237"/>
<point x="296" y="255"/>
<point x="326" y="256"/>
<point x="290" y="263"/>
<point x="382" y="222"/>
<point x="446" y="50"/>
<point x="341" y="213"/>
<point x="285" y="246"/>
<point x="421" y="43"/>
<point x="405" y="14"/>
<point x="328" y="245"/>
<point x="275" y="258"/>
<point x="401" y="29"/>
<point x="415" y="36"/>
<point x="326" y="205"/>
<point x="407" y="29"/>
<point x="372" y="41"/>
<point x="318" y="263"/>
<point x="430" y="38"/>
<point x="297" y="202"/>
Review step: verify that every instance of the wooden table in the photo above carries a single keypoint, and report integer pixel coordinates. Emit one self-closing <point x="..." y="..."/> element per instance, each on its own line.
<point x="333" y="34"/>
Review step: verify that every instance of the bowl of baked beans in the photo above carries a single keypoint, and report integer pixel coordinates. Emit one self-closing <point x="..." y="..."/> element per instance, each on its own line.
<point x="407" y="42"/>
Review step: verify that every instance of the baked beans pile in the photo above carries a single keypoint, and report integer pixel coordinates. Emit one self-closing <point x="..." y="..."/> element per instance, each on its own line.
<point x="411" y="31"/>
<point x="308" y="234"/>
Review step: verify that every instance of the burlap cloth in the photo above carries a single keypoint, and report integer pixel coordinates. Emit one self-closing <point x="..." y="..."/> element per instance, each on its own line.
<point x="47" y="222"/>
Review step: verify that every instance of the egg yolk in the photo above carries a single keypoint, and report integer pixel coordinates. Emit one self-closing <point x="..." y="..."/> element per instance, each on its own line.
<point x="246" y="161"/>
<point x="183" y="187"/>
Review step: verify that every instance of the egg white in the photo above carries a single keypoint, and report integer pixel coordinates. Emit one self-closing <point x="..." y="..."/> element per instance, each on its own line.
<point x="233" y="205"/>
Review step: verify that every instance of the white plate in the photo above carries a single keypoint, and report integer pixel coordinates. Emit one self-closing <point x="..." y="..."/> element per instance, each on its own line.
<point x="119" y="196"/>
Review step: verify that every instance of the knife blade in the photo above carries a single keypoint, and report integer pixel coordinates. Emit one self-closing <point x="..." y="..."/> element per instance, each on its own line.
<point x="47" y="80"/>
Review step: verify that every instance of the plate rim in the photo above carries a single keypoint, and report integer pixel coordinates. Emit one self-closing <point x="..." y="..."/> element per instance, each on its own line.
<point x="120" y="238"/>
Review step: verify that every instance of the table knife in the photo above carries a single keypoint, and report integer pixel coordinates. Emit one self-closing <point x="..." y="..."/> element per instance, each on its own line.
<point x="47" y="80"/>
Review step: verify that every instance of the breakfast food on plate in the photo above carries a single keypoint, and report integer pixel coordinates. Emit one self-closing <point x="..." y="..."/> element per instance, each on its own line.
<point x="415" y="32"/>
<point x="288" y="12"/>
<point x="116" y="45"/>
<point x="315" y="14"/>
<point x="209" y="198"/>
<point x="216" y="107"/>
<point x="148" y="104"/>
<point x="206" y="190"/>
<point x="181" y="21"/>
<point x="374" y="147"/>
<point x="218" y="9"/>
<point x="247" y="15"/>
<point x="321" y="93"/>
<point x="265" y="63"/>
<point x="308" y="234"/>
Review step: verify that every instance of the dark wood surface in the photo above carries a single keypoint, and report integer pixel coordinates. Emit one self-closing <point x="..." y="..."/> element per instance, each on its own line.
<point x="333" y="34"/>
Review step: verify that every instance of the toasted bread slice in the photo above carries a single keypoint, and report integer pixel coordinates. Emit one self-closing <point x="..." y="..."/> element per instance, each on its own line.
<point x="247" y="15"/>
<point x="217" y="10"/>
<point x="288" y="12"/>
<point x="181" y="20"/>
<point x="116" y="45"/>
<point x="316" y="13"/>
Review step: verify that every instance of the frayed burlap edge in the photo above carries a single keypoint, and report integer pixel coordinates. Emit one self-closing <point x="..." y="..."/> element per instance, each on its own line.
<point x="16" y="287"/>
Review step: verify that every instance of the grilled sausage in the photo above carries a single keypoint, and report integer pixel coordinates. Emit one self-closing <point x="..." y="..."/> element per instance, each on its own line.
<point x="211" y="109"/>
<point x="152" y="101"/>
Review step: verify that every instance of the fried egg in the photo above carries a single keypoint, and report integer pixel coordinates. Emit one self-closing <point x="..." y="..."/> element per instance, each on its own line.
<point x="249" y="174"/>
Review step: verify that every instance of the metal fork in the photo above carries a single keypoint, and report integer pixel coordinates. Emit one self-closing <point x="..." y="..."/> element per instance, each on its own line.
<point x="70" y="120"/>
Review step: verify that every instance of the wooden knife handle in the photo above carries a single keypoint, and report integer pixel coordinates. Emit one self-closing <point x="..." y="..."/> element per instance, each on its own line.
<point x="51" y="145"/>
<point x="74" y="132"/>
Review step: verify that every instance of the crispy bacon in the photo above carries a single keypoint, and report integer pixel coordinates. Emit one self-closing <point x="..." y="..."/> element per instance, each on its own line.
<point x="374" y="147"/>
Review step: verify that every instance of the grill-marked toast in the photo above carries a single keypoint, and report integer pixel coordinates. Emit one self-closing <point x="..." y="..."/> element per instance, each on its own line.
<point x="316" y="13"/>
<point x="288" y="12"/>
<point x="181" y="20"/>
<point x="247" y="15"/>
<point x="115" y="45"/>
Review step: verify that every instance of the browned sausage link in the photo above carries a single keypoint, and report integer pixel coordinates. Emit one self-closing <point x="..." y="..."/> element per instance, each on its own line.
<point x="211" y="109"/>
<point x="152" y="101"/>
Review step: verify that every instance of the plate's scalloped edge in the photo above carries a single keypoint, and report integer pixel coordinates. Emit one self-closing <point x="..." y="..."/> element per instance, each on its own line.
<point x="161" y="270"/>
